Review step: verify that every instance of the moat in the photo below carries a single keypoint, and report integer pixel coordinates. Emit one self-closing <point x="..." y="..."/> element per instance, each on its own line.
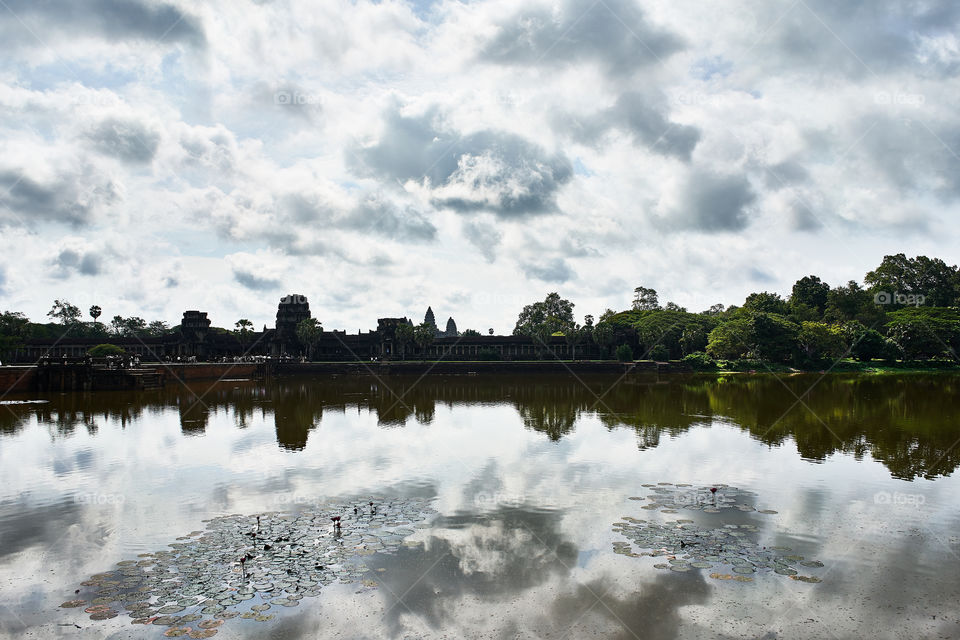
<point x="520" y="506"/>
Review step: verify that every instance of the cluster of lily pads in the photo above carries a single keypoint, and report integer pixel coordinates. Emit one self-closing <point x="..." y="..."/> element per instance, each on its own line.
<point x="671" y="498"/>
<point x="686" y="546"/>
<point x="265" y="560"/>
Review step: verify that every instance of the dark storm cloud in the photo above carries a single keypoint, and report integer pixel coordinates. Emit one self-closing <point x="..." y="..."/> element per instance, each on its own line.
<point x="70" y="199"/>
<point x="613" y="33"/>
<point x="485" y="171"/>
<point x="378" y="216"/>
<point x="639" y="115"/>
<point x="485" y="237"/>
<point x="126" y="140"/>
<point x="785" y="174"/>
<point x="70" y="261"/>
<point x="802" y="218"/>
<point x="30" y="22"/>
<point x="713" y="203"/>
<point x="857" y="38"/>
<point x="253" y="281"/>
<point x="555" y="270"/>
<point x="913" y="155"/>
<point x="375" y="215"/>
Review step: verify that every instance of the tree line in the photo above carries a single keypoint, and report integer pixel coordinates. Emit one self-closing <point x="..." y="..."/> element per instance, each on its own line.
<point x="907" y="309"/>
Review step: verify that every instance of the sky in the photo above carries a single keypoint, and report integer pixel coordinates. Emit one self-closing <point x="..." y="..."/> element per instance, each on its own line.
<point x="380" y="157"/>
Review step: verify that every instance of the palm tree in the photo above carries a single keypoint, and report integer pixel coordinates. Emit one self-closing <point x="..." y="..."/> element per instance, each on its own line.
<point x="310" y="332"/>
<point x="244" y="327"/>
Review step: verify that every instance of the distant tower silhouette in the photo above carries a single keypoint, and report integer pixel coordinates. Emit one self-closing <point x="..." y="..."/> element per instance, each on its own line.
<point x="430" y="320"/>
<point x="451" y="331"/>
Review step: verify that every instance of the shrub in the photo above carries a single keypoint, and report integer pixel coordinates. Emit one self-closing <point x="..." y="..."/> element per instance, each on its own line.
<point x="102" y="350"/>
<point x="700" y="362"/>
<point x="624" y="353"/>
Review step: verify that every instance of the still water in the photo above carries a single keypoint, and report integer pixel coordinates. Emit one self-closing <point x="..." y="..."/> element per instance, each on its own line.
<point x="494" y="505"/>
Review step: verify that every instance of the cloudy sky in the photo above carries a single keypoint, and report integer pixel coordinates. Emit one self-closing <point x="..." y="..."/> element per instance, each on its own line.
<point x="160" y="155"/>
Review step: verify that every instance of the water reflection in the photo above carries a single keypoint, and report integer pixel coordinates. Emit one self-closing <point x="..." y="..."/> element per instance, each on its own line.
<point x="906" y="422"/>
<point x="489" y="556"/>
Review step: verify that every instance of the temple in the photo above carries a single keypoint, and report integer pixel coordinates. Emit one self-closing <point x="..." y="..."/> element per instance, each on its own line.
<point x="194" y="339"/>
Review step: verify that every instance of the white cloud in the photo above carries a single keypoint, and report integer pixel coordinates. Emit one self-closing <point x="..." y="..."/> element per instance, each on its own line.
<point x="476" y="155"/>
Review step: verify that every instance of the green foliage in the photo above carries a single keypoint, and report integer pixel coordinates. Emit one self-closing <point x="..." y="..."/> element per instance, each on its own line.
<point x="767" y="336"/>
<point x="811" y="292"/>
<point x="932" y="278"/>
<point x="244" y="330"/>
<point x="540" y="320"/>
<point x="819" y="342"/>
<point x="731" y="340"/>
<point x="865" y="344"/>
<point x="676" y="333"/>
<point x="766" y="302"/>
<point x="925" y="332"/>
<point x="645" y="299"/>
<point x="95" y="312"/>
<point x="624" y="353"/>
<point x="852" y="302"/>
<point x="66" y="313"/>
<point x="423" y="335"/>
<point x="404" y="335"/>
<point x="309" y="333"/>
<point x="699" y="362"/>
<point x="470" y="333"/>
<point x="103" y="350"/>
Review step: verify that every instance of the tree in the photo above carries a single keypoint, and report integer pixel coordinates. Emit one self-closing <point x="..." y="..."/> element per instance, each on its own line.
<point x="812" y="292"/>
<point x="158" y="328"/>
<point x="673" y="306"/>
<point x="403" y="335"/>
<point x="864" y="344"/>
<point x="606" y="315"/>
<point x="766" y="302"/>
<point x="102" y="350"/>
<point x="573" y="335"/>
<point x="588" y="322"/>
<point x="14" y="327"/>
<point x="490" y="331"/>
<point x="244" y="329"/>
<point x="470" y="333"/>
<point x="714" y="310"/>
<point x="933" y="279"/>
<point x="731" y="340"/>
<point x="134" y="326"/>
<point x="819" y="341"/>
<point x="624" y="353"/>
<point x="645" y="299"/>
<point x="95" y="312"/>
<point x="603" y="335"/>
<point x="66" y="313"/>
<point x="423" y="335"/>
<point x="540" y="320"/>
<point x="309" y="333"/>
<point x="852" y="302"/>
<point x="925" y="332"/>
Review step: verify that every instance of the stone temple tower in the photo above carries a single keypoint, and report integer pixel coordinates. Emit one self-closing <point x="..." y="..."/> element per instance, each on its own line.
<point x="291" y="311"/>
